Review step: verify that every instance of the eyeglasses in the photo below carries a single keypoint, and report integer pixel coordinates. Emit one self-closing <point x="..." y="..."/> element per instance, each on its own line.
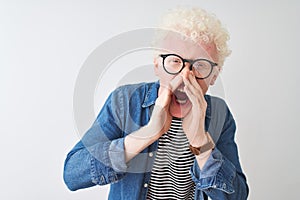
<point x="174" y="64"/>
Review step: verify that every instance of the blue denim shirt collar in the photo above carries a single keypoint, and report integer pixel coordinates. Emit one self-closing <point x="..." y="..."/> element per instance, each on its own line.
<point x="151" y="95"/>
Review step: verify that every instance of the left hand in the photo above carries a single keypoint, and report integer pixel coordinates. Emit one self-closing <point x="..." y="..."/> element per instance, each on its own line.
<point x="194" y="122"/>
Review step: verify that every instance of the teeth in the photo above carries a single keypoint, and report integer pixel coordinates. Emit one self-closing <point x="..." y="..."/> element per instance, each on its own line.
<point x="180" y="89"/>
<point x="181" y="101"/>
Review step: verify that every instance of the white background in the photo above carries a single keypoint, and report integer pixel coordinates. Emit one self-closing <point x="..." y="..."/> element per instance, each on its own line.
<point x="43" y="45"/>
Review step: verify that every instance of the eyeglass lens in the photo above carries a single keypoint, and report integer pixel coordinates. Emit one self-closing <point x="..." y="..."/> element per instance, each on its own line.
<point x="174" y="64"/>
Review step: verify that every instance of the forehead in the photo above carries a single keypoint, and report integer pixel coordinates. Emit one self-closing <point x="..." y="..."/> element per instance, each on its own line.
<point x="187" y="48"/>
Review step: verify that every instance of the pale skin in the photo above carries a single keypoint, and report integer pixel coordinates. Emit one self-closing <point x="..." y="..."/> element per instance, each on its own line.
<point x="193" y="111"/>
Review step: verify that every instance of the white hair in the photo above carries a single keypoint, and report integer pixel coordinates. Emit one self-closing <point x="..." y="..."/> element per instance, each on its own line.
<point x="198" y="25"/>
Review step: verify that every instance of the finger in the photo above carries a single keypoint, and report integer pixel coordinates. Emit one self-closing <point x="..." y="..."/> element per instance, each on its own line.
<point x="164" y="98"/>
<point x="165" y="95"/>
<point x="197" y="88"/>
<point x="194" y="82"/>
<point x="172" y="85"/>
<point x="175" y="82"/>
<point x="196" y="101"/>
<point x="190" y="95"/>
<point x="189" y="85"/>
<point x="194" y="88"/>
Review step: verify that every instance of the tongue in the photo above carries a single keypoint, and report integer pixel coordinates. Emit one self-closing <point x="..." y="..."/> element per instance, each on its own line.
<point x="180" y="95"/>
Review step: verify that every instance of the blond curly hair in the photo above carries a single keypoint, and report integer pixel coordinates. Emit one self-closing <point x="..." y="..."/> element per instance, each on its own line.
<point x="198" y="25"/>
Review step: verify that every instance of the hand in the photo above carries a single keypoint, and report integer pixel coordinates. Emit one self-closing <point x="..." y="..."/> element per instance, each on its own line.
<point x="161" y="118"/>
<point x="193" y="123"/>
<point x="159" y="122"/>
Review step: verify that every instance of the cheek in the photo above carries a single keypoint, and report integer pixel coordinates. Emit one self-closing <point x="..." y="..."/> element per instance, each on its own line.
<point x="165" y="79"/>
<point x="204" y="85"/>
<point x="163" y="76"/>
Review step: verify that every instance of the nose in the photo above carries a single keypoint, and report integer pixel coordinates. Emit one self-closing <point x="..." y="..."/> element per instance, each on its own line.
<point x="186" y="69"/>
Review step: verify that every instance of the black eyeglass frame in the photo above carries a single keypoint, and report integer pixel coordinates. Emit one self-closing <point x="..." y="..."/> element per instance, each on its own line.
<point x="213" y="64"/>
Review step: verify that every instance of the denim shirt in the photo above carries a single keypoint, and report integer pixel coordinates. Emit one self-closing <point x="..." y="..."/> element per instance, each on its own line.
<point x="99" y="158"/>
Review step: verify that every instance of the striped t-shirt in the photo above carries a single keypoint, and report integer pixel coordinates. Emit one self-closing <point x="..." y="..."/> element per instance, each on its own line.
<point x="170" y="177"/>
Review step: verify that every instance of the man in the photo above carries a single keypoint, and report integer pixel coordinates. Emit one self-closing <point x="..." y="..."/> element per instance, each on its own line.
<point x="168" y="139"/>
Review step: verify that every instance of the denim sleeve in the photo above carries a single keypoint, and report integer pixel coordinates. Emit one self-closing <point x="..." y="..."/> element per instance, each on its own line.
<point x="221" y="177"/>
<point x="99" y="157"/>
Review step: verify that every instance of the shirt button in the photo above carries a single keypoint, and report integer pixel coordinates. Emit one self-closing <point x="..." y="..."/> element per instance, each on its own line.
<point x="150" y="154"/>
<point x="146" y="185"/>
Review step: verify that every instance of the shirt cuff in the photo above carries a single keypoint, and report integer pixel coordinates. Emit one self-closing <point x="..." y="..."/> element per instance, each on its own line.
<point x="117" y="155"/>
<point x="108" y="162"/>
<point x="217" y="173"/>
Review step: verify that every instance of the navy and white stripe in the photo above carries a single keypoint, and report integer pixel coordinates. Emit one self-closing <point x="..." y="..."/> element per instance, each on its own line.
<point x="170" y="177"/>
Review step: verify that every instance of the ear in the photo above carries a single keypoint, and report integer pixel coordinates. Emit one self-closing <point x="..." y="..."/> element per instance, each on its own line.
<point x="155" y="62"/>
<point x="215" y="76"/>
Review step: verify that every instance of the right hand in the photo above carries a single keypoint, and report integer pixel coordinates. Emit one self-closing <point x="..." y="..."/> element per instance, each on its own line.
<point x="159" y="123"/>
<point x="161" y="118"/>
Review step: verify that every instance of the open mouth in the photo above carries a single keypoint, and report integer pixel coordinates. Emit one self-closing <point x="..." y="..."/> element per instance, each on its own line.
<point x="180" y="95"/>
